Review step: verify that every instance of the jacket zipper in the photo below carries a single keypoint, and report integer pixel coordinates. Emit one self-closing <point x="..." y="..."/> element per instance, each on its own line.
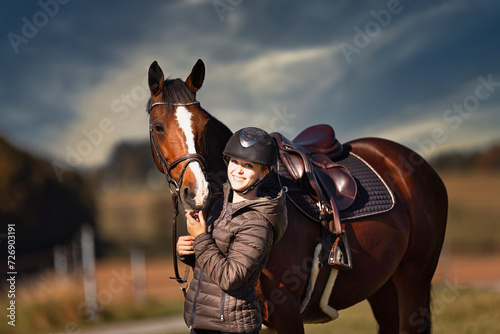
<point x="222" y="306"/>
<point x="221" y="217"/>
<point x="193" y="312"/>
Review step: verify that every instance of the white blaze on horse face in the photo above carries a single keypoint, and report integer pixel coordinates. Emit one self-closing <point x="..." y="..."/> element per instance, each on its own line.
<point x="184" y="119"/>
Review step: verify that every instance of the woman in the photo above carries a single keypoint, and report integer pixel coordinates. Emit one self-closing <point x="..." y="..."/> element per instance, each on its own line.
<point x="230" y="248"/>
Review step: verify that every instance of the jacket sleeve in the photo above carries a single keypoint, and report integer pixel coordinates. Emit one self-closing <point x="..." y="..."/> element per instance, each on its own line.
<point x="251" y="244"/>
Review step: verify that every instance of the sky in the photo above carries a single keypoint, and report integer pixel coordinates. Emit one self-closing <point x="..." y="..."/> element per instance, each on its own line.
<point x="73" y="80"/>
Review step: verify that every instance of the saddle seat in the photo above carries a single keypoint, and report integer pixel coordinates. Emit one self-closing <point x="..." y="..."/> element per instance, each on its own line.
<point x="320" y="139"/>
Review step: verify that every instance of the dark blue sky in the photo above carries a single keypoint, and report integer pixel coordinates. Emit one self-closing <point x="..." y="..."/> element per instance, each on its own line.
<point x="425" y="74"/>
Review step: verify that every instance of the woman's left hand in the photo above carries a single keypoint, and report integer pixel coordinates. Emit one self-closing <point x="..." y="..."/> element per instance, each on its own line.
<point x="195" y="223"/>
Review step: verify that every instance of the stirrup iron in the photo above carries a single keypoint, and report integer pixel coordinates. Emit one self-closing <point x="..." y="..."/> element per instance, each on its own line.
<point x="340" y="255"/>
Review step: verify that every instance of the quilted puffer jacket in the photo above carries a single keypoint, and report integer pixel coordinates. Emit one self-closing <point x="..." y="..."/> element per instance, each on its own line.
<point x="229" y="260"/>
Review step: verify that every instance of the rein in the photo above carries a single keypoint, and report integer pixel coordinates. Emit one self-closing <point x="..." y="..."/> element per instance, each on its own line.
<point x="175" y="186"/>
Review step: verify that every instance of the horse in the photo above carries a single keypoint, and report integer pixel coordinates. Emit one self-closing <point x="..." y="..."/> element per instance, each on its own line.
<point x="394" y="253"/>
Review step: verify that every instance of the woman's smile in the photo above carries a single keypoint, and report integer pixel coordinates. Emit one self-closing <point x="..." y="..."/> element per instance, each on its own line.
<point x="242" y="174"/>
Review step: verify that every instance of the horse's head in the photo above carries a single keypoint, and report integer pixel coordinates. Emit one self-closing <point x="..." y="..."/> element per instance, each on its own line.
<point x="182" y="133"/>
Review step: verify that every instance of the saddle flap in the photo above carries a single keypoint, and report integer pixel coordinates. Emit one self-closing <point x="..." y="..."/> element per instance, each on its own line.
<point x="294" y="164"/>
<point x="336" y="182"/>
<point x="292" y="159"/>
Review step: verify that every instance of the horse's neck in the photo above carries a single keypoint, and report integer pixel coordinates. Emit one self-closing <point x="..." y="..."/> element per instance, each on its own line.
<point x="217" y="135"/>
<point x="220" y="128"/>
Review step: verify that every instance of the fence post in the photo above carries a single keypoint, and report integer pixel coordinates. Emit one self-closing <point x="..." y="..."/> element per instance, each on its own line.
<point x="60" y="261"/>
<point x="89" y="278"/>
<point x="138" y="264"/>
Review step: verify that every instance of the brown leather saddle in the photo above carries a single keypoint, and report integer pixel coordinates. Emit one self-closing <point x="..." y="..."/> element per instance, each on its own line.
<point x="309" y="159"/>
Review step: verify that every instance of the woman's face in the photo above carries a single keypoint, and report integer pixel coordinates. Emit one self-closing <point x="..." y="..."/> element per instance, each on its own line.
<point x="242" y="174"/>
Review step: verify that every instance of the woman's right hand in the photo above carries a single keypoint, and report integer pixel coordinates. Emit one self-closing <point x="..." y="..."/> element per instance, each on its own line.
<point x="185" y="245"/>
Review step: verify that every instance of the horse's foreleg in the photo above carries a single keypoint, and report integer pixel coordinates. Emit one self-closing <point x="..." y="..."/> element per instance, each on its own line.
<point x="283" y="312"/>
<point x="384" y="304"/>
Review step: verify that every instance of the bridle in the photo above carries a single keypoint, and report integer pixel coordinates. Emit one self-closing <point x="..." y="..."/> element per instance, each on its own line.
<point x="174" y="185"/>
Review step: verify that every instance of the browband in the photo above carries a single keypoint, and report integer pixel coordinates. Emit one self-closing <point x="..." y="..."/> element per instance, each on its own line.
<point x="172" y="104"/>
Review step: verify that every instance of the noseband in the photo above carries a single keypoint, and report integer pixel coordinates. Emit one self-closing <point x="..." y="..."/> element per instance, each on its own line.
<point x="167" y="167"/>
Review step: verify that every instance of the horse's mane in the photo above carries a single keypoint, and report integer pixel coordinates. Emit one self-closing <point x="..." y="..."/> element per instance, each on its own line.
<point x="175" y="91"/>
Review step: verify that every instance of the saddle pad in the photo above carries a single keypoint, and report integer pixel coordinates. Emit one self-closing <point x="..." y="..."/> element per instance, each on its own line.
<point x="374" y="196"/>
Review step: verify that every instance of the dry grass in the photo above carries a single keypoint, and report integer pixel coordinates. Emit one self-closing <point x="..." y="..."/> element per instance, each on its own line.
<point x="461" y="311"/>
<point x="474" y="212"/>
<point x="457" y="311"/>
<point x="46" y="302"/>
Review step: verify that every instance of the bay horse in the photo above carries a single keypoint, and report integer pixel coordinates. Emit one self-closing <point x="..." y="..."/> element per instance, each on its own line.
<point x="394" y="254"/>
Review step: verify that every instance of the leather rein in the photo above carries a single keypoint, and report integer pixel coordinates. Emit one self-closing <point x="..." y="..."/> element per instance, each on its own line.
<point x="175" y="186"/>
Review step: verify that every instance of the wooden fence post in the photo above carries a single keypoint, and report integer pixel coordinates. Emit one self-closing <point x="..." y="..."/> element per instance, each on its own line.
<point x="138" y="264"/>
<point x="89" y="277"/>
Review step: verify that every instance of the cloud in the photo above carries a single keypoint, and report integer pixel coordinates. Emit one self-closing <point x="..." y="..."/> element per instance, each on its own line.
<point x="465" y="118"/>
<point x="265" y="62"/>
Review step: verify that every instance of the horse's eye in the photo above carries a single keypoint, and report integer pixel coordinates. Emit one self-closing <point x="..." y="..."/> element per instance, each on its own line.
<point x="159" y="128"/>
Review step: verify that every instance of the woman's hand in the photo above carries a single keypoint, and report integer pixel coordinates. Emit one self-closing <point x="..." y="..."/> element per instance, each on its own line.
<point x="185" y="245"/>
<point x="195" y="223"/>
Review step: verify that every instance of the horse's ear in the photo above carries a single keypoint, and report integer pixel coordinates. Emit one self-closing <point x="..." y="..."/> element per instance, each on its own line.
<point x="195" y="79"/>
<point x="155" y="78"/>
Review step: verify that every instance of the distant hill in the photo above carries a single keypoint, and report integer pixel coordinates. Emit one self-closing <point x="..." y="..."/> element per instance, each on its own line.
<point x="135" y="206"/>
<point x="130" y="163"/>
<point x="486" y="160"/>
<point x="46" y="212"/>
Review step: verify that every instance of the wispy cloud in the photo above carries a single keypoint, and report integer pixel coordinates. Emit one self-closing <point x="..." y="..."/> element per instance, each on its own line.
<point x="262" y="59"/>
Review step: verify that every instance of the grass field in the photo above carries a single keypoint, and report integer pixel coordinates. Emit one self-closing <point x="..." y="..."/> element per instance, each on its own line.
<point x="474" y="213"/>
<point x="455" y="311"/>
<point x="46" y="304"/>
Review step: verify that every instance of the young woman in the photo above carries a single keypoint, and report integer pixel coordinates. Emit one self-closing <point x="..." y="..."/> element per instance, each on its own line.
<point x="229" y="249"/>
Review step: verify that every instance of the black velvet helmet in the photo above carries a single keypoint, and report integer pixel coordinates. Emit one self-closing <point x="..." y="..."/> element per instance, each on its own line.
<point x="253" y="145"/>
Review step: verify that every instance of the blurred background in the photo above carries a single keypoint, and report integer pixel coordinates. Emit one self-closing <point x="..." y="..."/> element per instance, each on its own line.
<point x="77" y="178"/>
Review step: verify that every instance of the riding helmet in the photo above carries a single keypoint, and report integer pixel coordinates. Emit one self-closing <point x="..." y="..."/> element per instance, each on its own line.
<point x="253" y="145"/>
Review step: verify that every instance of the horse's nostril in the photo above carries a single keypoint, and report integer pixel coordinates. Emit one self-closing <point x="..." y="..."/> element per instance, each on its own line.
<point x="185" y="192"/>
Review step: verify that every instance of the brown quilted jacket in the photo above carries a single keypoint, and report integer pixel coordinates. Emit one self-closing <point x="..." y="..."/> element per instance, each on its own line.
<point x="229" y="259"/>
